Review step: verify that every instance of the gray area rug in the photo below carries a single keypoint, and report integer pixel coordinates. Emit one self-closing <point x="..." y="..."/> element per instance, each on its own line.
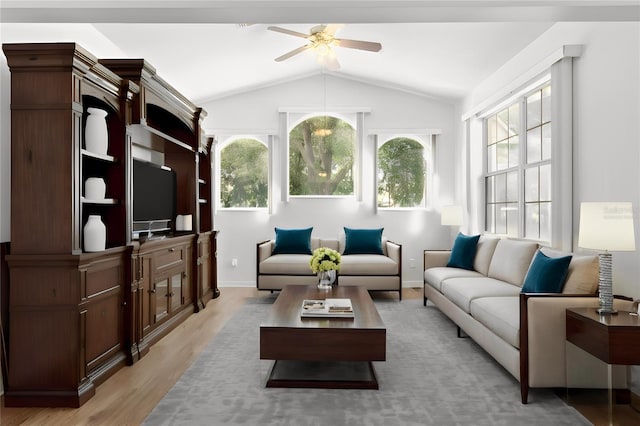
<point x="431" y="377"/>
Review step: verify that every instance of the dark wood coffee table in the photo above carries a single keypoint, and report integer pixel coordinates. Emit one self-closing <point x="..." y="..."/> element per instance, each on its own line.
<point x="323" y="352"/>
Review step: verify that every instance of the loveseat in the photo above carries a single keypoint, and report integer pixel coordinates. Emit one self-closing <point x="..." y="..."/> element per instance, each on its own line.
<point x="375" y="272"/>
<point x="523" y="331"/>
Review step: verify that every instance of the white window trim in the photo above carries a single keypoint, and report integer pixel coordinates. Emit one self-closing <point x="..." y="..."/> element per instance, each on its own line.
<point x="427" y="138"/>
<point x="222" y="140"/>
<point x="291" y="117"/>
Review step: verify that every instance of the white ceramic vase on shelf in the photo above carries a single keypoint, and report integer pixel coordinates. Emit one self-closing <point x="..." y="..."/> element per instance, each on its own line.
<point x="95" y="188"/>
<point x="95" y="234"/>
<point x="96" y="135"/>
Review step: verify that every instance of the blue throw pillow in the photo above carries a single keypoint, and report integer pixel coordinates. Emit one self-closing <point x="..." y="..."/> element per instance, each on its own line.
<point x="293" y="241"/>
<point x="464" y="251"/>
<point x="363" y="241"/>
<point x="546" y="274"/>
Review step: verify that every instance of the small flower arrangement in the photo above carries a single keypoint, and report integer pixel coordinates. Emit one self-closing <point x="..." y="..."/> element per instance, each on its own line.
<point x="325" y="259"/>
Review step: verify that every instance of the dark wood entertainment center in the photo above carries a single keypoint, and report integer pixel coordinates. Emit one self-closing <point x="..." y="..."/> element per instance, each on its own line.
<point x="76" y="317"/>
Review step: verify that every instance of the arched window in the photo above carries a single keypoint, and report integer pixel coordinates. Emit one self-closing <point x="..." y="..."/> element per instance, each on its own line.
<point x="402" y="172"/>
<point x="321" y="157"/>
<point x="244" y="174"/>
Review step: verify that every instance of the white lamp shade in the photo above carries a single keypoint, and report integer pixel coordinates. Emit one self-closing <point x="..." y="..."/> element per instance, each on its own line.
<point x="451" y="215"/>
<point x="607" y="226"/>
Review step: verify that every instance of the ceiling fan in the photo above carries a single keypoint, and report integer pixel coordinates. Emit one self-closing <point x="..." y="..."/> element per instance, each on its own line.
<point x="322" y="38"/>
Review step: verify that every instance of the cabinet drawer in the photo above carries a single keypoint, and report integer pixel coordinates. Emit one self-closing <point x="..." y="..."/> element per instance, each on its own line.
<point x="169" y="258"/>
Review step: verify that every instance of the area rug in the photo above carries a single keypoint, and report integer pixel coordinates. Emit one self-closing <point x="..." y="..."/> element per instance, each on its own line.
<point x="431" y="377"/>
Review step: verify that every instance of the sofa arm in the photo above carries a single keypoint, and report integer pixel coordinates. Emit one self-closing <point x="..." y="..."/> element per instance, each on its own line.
<point x="394" y="251"/>
<point x="264" y="249"/>
<point x="435" y="258"/>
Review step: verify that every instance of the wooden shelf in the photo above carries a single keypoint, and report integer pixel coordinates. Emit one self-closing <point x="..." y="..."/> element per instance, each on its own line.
<point x="103" y="157"/>
<point x="105" y="201"/>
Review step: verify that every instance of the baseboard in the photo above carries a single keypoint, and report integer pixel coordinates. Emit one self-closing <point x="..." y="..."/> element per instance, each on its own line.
<point x="405" y="284"/>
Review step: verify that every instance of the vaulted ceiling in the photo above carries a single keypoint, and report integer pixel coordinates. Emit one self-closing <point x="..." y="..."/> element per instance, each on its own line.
<point x="212" y="49"/>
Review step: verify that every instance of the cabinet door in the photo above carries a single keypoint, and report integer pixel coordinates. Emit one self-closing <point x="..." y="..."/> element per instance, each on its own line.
<point x="161" y="295"/>
<point x="175" y="295"/>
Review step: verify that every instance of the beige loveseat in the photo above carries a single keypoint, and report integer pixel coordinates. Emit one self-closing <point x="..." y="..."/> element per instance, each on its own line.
<point x="373" y="271"/>
<point x="524" y="332"/>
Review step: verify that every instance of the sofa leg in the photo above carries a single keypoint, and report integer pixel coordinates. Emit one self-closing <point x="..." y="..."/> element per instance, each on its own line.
<point x="424" y="301"/>
<point x="460" y="333"/>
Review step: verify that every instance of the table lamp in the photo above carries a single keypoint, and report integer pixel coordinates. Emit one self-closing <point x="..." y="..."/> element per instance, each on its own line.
<point x="606" y="227"/>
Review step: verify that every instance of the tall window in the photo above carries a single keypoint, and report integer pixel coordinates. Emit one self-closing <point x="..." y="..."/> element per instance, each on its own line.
<point x="244" y="174"/>
<point x="321" y="157"/>
<point x="402" y="168"/>
<point x="518" y="179"/>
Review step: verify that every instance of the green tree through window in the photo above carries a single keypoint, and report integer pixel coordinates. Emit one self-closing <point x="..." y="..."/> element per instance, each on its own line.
<point x="244" y="174"/>
<point x="321" y="155"/>
<point x="401" y="173"/>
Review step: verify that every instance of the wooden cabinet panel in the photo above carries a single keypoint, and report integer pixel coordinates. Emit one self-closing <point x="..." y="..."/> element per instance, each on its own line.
<point x="103" y="328"/>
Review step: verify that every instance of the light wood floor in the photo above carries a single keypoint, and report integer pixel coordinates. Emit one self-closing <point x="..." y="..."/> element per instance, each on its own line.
<point x="128" y="396"/>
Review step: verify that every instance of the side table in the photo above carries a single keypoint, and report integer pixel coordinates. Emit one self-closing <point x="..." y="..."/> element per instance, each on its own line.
<point x="614" y="339"/>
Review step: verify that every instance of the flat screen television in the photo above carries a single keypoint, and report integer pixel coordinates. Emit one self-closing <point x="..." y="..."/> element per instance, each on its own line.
<point x="154" y="192"/>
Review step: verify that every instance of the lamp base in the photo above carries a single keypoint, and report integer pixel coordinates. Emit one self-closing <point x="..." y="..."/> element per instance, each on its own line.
<point x="605" y="311"/>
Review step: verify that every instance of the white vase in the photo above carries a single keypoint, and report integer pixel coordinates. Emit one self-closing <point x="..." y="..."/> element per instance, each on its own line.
<point x="95" y="234"/>
<point x="95" y="188"/>
<point x="326" y="279"/>
<point x="96" y="135"/>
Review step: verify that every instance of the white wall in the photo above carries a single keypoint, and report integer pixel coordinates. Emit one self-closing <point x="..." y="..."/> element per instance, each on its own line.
<point x="392" y="110"/>
<point x="606" y="126"/>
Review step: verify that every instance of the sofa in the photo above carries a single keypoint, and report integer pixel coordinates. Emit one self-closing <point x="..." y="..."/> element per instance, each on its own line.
<point x="375" y="272"/>
<point x="523" y="331"/>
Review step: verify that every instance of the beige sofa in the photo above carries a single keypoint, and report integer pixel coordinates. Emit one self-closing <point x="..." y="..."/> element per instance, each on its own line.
<point x="525" y="333"/>
<point x="373" y="271"/>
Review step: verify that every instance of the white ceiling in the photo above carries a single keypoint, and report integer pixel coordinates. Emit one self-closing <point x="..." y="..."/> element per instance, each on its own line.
<point x="435" y="48"/>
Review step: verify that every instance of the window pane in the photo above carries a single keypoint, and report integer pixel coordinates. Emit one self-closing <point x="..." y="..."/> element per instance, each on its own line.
<point x="532" y="220"/>
<point x="491" y="130"/>
<point x="534" y="110"/>
<point x="244" y="174"/>
<point x="401" y="173"/>
<point x="501" y="188"/>
<point x="514" y="148"/>
<point x="512" y="186"/>
<point x="514" y="119"/>
<point x="546" y="141"/>
<point x="502" y="125"/>
<point x="512" y="219"/>
<point x="546" y="104"/>
<point x="533" y="146"/>
<point x="545" y="182"/>
<point x="321" y="156"/>
<point x="491" y="158"/>
<point x="531" y="184"/>
<point x="545" y="221"/>
<point x="502" y="155"/>
<point x="490" y="225"/>
<point x="501" y="219"/>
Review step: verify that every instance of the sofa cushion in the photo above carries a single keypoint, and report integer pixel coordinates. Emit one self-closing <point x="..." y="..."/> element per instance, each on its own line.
<point x="500" y="315"/>
<point x="463" y="252"/>
<point x="435" y="276"/>
<point x="363" y="241"/>
<point x="546" y="274"/>
<point x="293" y="241"/>
<point x="462" y="291"/>
<point x="511" y="260"/>
<point x="367" y="264"/>
<point x="287" y="264"/>
<point x="582" y="276"/>
<point x="484" y="253"/>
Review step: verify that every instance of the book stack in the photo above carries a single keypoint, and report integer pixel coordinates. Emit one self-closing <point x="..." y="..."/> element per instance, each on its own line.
<point x="327" y="308"/>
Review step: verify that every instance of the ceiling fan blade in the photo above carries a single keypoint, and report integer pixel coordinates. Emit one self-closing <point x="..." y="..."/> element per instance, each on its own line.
<point x="357" y="44"/>
<point x="293" y="52"/>
<point x="286" y="31"/>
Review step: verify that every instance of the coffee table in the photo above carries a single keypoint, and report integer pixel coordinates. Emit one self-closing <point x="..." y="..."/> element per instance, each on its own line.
<point x="323" y="352"/>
